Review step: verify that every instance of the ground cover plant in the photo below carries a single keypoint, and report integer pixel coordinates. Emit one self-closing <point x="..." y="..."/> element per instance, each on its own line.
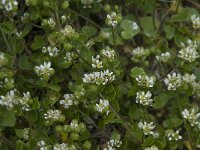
<point x="99" y="74"/>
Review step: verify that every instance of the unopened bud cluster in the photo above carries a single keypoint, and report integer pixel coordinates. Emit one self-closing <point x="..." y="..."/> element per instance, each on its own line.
<point x="108" y="53"/>
<point x="113" y="19"/>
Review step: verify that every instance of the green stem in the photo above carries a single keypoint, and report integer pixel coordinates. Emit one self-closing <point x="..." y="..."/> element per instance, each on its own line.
<point x="6" y="41"/>
<point x="84" y="17"/>
<point x="178" y="4"/>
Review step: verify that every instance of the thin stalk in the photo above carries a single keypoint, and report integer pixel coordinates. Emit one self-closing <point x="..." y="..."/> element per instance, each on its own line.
<point x="178" y="4"/>
<point x="6" y="41"/>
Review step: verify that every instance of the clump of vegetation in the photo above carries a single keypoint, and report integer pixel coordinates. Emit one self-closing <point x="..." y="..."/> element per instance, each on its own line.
<point x="99" y="74"/>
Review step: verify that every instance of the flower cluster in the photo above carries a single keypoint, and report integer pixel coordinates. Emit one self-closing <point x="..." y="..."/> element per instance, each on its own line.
<point x="164" y="57"/>
<point x="62" y="146"/>
<point x="7" y="83"/>
<point x="68" y="31"/>
<point x="100" y="77"/>
<point x="174" y="136"/>
<point x="103" y="106"/>
<point x="73" y="99"/>
<point x="195" y="21"/>
<point x="144" y="98"/>
<point x="43" y="146"/>
<point x="145" y="81"/>
<point x="108" y="53"/>
<point x="25" y="101"/>
<point x="52" y="51"/>
<point x="173" y="81"/>
<point x="139" y="52"/>
<point x="113" y="19"/>
<point x="191" y="116"/>
<point x="87" y="3"/>
<point x="190" y="79"/>
<point x="147" y="128"/>
<point x="3" y="59"/>
<point x="114" y="143"/>
<point x="9" y="5"/>
<point x="45" y="70"/>
<point x="189" y="52"/>
<point x="51" y="22"/>
<point x="25" y="17"/>
<point x="96" y="62"/>
<point x="26" y="133"/>
<point x="152" y="148"/>
<point x="9" y="100"/>
<point x="52" y="116"/>
<point x="70" y="56"/>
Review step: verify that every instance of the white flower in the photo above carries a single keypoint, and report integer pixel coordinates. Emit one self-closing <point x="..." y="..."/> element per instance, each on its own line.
<point x="173" y="81"/>
<point x="195" y="21"/>
<point x="51" y="22"/>
<point x="69" y="56"/>
<point x="111" y="19"/>
<point x="87" y="3"/>
<point x="103" y="106"/>
<point x="26" y="133"/>
<point x="152" y="148"/>
<point x="9" y="100"/>
<point x="68" y="101"/>
<point x="24" y="101"/>
<point x="44" y="69"/>
<point x="25" y="16"/>
<point x="68" y="31"/>
<point x="147" y="128"/>
<point x="114" y="143"/>
<point x="145" y="81"/>
<point x="189" y="52"/>
<point x="52" y="51"/>
<point x="138" y="52"/>
<point x="52" y="116"/>
<point x="144" y="98"/>
<point x="102" y="77"/>
<point x="3" y="59"/>
<point x="62" y="146"/>
<point x="196" y="88"/>
<point x="191" y="116"/>
<point x="190" y="79"/>
<point x="164" y="57"/>
<point x="174" y="135"/>
<point x="96" y="62"/>
<point x="108" y="53"/>
<point x="134" y="26"/>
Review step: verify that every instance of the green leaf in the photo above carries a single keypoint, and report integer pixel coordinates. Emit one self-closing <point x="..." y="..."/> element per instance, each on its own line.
<point x="8" y="27"/>
<point x="38" y="42"/>
<point x="7" y="119"/>
<point x="135" y="112"/>
<point x="55" y="87"/>
<point x="89" y="31"/>
<point x="130" y="29"/>
<point x="35" y="105"/>
<point x="136" y="71"/>
<point x="148" y="141"/>
<point x="19" y="133"/>
<point x="172" y="123"/>
<point x="20" y="145"/>
<point x="31" y="116"/>
<point x="24" y="63"/>
<point x="147" y="25"/>
<point x="160" y="100"/>
<point x="108" y="119"/>
<point x="170" y="31"/>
